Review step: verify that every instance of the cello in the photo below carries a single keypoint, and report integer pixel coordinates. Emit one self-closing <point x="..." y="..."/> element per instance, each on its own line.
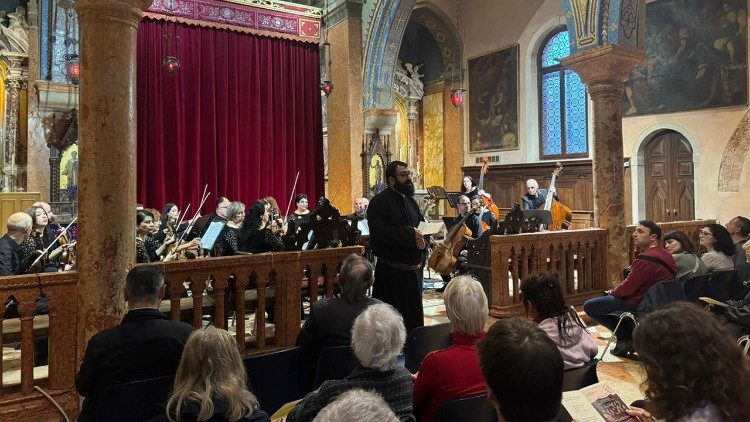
<point x="443" y="258"/>
<point x="488" y="202"/>
<point x="561" y="214"/>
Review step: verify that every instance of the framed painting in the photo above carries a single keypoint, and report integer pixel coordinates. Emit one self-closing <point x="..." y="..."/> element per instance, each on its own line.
<point x="696" y="58"/>
<point x="493" y="101"/>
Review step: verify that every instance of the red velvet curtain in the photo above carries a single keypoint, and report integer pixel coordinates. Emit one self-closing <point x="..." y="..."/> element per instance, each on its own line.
<point x="242" y="114"/>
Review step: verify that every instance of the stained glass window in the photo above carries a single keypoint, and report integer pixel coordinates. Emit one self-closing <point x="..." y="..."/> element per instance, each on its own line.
<point x="562" y="102"/>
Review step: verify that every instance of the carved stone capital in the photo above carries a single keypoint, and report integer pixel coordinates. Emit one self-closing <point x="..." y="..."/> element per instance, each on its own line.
<point x="604" y="69"/>
<point x="125" y="11"/>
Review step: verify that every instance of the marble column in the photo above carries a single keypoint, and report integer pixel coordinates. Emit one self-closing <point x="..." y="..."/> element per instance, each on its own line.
<point x="14" y="83"/>
<point x="345" y="123"/>
<point x="107" y="172"/>
<point x="604" y="70"/>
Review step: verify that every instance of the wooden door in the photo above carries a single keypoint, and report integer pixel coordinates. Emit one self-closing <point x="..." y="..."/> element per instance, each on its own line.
<point x="669" y="178"/>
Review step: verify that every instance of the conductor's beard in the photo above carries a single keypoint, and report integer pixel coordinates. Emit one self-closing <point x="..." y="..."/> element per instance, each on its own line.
<point x="405" y="188"/>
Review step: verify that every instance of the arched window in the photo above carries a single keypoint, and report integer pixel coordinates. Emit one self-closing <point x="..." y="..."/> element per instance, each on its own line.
<point x="563" y="130"/>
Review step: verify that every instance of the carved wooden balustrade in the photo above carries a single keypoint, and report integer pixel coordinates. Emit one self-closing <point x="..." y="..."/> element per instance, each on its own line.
<point x="254" y="285"/>
<point x="578" y="256"/>
<point x="18" y="398"/>
<point x="690" y="228"/>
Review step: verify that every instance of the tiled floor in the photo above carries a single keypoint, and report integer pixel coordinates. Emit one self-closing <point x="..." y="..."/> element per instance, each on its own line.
<point x="625" y="375"/>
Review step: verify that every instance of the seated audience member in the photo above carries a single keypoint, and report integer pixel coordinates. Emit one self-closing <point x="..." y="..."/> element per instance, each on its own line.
<point x="357" y="405"/>
<point x="737" y="315"/>
<point x="683" y="252"/>
<point x="453" y="373"/>
<point x="694" y="369"/>
<point x="654" y="264"/>
<point x="544" y="301"/>
<point x="719" y="254"/>
<point x="331" y="319"/>
<point x="256" y="235"/>
<point x="378" y="335"/>
<point x="145" y="345"/>
<point x="19" y="229"/>
<point x="211" y="382"/>
<point x="523" y="370"/>
<point x="739" y="229"/>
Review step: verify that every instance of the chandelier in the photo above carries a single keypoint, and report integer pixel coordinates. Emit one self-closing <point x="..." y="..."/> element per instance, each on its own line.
<point x="326" y="85"/>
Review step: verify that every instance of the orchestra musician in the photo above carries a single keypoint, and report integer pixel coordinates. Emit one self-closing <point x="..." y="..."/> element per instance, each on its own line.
<point x="360" y="208"/>
<point x="276" y="223"/>
<point x="147" y="247"/>
<point x="228" y="242"/>
<point x="301" y="214"/>
<point x="468" y="188"/>
<point x="202" y="223"/>
<point x="19" y="228"/>
<point x="535" y="197"/>
<point x="41" y="238"/>
<point x="256" y="235"/>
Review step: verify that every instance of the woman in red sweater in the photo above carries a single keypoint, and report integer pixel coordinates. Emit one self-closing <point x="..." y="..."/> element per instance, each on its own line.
<point x="453" y="373"/>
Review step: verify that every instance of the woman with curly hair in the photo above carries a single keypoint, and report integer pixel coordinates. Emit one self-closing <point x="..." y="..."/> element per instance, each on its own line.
<point x="211" y="382"/>
<point x="544" y="302"/>
<point x="719" y="248"/>
<point x="694" y="369"/>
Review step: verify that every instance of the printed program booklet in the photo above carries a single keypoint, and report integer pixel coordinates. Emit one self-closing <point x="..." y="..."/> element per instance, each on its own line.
<point x="596" y="403"/>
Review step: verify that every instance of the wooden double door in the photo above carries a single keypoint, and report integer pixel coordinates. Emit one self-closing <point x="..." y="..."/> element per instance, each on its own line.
<point x="669" y="178"/>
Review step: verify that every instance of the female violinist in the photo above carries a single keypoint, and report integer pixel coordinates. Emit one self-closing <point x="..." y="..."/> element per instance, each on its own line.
<point x="42" y="238"/>
<point x="147" y="247"/>
<point x="301" y="214"/>
<point x="256" y="235"/>
<point x="276" y="223"/>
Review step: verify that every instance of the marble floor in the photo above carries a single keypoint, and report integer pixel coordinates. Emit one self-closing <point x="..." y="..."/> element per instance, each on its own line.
<point x="625" y="375"/>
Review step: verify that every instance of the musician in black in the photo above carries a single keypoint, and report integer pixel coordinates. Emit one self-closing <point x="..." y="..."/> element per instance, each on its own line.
<point x="11" y="261"/>
<point x="393" y="217"/>
<point x="535" y="197"/>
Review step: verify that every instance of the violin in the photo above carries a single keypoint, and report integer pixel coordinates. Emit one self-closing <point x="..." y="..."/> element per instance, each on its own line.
<point x="488" y="202"/>
<point x="67" y="257"/>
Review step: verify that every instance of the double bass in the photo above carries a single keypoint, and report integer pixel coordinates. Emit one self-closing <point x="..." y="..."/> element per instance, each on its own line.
<point x="488" y="202"/>
<point x="443" y="258"/>
<point x="561" y="214"/>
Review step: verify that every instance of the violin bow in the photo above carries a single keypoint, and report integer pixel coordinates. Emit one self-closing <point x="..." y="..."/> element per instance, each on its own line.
<point x="291" y="197"/>
<point x="192" y="222"/>
<point x="44" y="252"/>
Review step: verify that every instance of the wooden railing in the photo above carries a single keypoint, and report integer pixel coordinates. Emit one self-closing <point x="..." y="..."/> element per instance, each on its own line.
<point x="18" y="398"/>
<point x="245" y="288"/>
<point x="690" y="228"/>
<point x="578" y="256"/>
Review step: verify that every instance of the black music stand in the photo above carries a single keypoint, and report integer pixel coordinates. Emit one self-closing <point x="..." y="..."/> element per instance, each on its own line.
<point x="452" y="198"/>
<point x="543" y="216"/>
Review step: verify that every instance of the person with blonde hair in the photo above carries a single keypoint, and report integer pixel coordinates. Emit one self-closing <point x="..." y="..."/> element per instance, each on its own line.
<point x="359" y="405"/>
<point x="453" y="373"/>
<point x="211" y="382"/>
<point x="378" y="336"/>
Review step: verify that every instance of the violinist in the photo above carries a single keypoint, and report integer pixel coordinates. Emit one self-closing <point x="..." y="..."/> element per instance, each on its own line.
<point x="169" y="217"/>
<point x="276" y="223"/>
<point x="301" y="214"/>
<point x="257" y="235"/>
<point x="19" y="228"/>
<point x="40" y="239"/>
<point x="147" y="247"/>
<point x="228" y="242"/>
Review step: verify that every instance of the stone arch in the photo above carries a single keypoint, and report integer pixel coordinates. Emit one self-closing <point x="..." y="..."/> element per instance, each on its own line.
<point x="385" y="30"/>
<point x="638" y="162"/>
<point x="734" y="156"/>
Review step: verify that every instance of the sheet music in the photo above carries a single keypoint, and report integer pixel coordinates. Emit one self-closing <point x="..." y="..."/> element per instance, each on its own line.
<point x="431" y="228"/>
<point x="363" y="227"/>
<point x="209" y="238"/>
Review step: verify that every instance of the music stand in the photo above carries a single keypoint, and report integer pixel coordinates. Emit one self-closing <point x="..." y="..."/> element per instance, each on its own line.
<point x="452" y="198"/>
<point x="544" y="216"/>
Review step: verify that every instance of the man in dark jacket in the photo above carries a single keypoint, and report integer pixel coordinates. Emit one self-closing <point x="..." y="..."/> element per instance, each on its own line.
<point x="393" y="217"/>
<point x="739" y="229"/>
<point x="535" y="197"/>
<point x="145" y="345"/>
<point x="19" y="228"/>
<point x="737" y="315"/>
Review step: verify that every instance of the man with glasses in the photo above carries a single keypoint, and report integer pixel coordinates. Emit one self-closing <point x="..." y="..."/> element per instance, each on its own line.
<point x="202" y="223"/>
<point x="393" y="217"/>
<point x="472" y="223"/>
<point x="654" y="264"/>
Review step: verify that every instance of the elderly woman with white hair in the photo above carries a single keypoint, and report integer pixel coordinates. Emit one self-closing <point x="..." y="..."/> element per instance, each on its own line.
<point x="453" y="373"/>
<point x="378" y="335"/>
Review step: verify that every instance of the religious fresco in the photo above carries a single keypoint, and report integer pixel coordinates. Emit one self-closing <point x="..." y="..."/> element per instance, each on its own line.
<point x="69" y="171"/>
<point x="376" y="173"/>
<point x="432" y="106"/>
<point x="493" y="101"/>
<point x="696" y="58"/>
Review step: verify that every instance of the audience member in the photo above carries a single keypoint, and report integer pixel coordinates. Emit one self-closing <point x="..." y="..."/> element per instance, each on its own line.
<point x="378" y="335"/>
<point x="357" y="405"/>
<point x="211" y="382"/>
<point x="654" y="264"/>
<point x="739" y="229"/>
<point x="19" y="229"/>
<point x="331" y="319"/>
<point x="694" y="369"/>
<point x="453" y="373"/>
<point x="145" y="345"/>
<point x="523" y="370"/>
<point x="683" y="252"/>
<point x="719" y="248"/>
<point x="544" y="301"/>
<point x="737" y="315"/>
